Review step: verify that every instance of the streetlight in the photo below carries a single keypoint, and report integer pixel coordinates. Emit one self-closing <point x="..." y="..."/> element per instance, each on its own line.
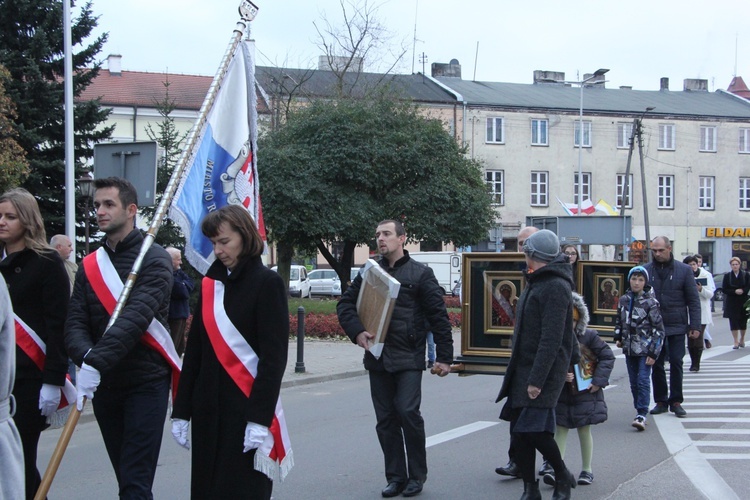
<point x="582" y="84"/>
<point x="86" y="188"/>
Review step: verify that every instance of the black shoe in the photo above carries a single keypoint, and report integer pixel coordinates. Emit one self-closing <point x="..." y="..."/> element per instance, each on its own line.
<point x="394" y="488"/>
<point x="546" y="468"/>
<point x="549" y="478"/>
<point x="531" y="491"/>
<point x="413" y="488"/>
<point x="511" y="469"/>
<point x="678" y="410"/>
<point x="430" y="364"/>
<point x="585" y="478"/>
<point x="659" y="409"/>
<point x="563" y="486"/>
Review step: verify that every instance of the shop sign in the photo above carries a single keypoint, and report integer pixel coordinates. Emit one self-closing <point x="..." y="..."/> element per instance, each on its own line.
<point x="728" y="232"/>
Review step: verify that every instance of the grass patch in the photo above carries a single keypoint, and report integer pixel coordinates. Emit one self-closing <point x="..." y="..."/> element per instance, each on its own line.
<point x="315" y="306"/>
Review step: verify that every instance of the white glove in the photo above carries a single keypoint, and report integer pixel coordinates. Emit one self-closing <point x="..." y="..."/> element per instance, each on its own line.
<point x="86" y="383"/>
<point x="180" y="430"/>
<point x="49" y="399"/>
<point x="255" y="434"/>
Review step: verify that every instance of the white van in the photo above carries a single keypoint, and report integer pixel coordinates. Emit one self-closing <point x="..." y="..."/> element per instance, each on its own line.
<point x="299" y="284"/>
<point x="445" y="265"/>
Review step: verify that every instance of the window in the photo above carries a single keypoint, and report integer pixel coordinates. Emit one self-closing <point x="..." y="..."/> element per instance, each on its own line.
<point x="706" y="193"/>
<point x="586" y="186"/>
<point x="539" y="132"/>
<point x="666" y="191"/>
<point x="744" y="193"/>
<point x="586" y="134"/>
<point x="708" y="139"/>
<point x="666" y="136"/>
<point x="624" y="131"/>
<point x="745" y="140"/>
<point x="628" y="194"/>
<point x="539" y="189"/>
<point x="495" y="180"/>
<point x="495" y="130"/>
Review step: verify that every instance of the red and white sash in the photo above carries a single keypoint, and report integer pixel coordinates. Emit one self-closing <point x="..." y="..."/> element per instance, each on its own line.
<point x="274" y="456"/>
<point x="107" y="286"/>
<point x="34" y="347"/>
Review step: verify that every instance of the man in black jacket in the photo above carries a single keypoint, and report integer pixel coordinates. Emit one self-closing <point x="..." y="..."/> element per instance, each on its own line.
<point x="674" y="286"/>
<point x="129" y="379"/>
<point x="396" y="376"/>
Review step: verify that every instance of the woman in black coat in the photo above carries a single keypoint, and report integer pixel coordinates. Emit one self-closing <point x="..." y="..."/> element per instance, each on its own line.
<point x="735" y="287"/>
<point x="39" y="291"/>
<point x="231" y="428"/>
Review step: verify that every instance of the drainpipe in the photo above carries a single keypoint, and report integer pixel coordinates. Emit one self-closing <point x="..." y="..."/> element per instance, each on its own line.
<point x="135" y="121"/>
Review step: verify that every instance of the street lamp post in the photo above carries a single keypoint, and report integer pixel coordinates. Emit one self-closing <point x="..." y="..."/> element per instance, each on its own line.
<point x="582" y="84"/>
<point x="86" y="187"/>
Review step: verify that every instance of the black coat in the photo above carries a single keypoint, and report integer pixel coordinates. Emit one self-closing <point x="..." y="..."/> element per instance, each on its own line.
<point x="119" y="355"/>
<point x="674" y="287"/>
<point x="39" y="290"/>
<point x="732" y="302"/>
<point x="578" y="409"/>
<point x="419" y="309"/>
<point x="543" y="340"/>
<point x="255" y="300"/>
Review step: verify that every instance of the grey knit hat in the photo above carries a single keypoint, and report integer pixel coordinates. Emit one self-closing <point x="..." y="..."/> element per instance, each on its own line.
<point x="542" y="246"/>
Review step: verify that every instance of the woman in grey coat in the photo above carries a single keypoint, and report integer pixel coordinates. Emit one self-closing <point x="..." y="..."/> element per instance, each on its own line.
<point x="11" y="453"/>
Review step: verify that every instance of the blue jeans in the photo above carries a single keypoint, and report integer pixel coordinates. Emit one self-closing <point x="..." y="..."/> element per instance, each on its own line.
<point x="430" y="347"/>
<point x="640" y="383"/>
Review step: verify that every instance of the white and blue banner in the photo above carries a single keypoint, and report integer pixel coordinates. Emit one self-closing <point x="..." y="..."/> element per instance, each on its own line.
<point x="222" y="168"/>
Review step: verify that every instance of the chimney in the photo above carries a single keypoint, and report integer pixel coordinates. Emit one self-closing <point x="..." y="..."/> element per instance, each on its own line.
<point x="542" y="76"/>
<point x="114" y="64"/>
<point x="452" y="69"/>
<point x="694" y="84"/>
<point x="664" y="83"/>
<point x="338" y="63"/>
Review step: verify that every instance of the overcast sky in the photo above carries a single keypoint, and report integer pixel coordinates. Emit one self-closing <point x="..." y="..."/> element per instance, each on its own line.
<point x="640" y="41"/>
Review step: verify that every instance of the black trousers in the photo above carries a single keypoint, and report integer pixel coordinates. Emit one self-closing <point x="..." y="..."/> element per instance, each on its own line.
<point x="30" y="424"/>
<point x="396" y="398"/>
<point x="131" y="421"/>
<point x="674" y="347"/>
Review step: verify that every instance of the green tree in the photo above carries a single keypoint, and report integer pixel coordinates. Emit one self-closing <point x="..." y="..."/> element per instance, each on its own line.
<point x="337" y="168"/>
<point x="31" y="48"/>
<point x="13" y="165"/>
<point x="169" y="140"/>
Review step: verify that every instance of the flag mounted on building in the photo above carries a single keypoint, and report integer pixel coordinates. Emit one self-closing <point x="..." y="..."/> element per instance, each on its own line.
<point x="222" y="168"/>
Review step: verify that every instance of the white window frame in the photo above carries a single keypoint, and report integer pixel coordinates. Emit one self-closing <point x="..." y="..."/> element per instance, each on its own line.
<point x="624" y="131"/>
<point x="539" y="128"/>
<point x="586" y="186"/>
<point x="665" y="192"/>
<point x="667" y="136"/>
<point x="495" y="130"/>
<point x="709" y="133"/>
<point x="620" y="180"/>
<point x="586" y="133"/>
<point x="539" y="188"/>
<point x="744" y="201"/>
<point x="706" y="192"/>
<point x="744" y="145"/>
<point x="495" y="179"/>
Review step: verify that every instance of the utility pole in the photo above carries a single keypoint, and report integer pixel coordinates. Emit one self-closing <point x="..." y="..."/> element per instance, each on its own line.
<point x="643" y="189"/>
<point x="625" y="187"/>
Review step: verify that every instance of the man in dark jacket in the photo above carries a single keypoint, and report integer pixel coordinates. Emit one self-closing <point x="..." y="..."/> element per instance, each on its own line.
<point x="179" y="302"/>
<point x="130" y="379"/>
<point x="674" y="286"/>
<point x="396" y="376"/>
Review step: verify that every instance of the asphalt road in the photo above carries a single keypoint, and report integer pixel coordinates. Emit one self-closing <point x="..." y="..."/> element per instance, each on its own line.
<point x="337" y="455"/>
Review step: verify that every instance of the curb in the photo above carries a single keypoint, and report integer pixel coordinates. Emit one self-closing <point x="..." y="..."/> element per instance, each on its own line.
<point x="305" y="379"/>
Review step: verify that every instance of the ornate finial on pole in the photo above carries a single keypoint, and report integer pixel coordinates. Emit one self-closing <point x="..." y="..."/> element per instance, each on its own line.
<point x="248" y="10"/>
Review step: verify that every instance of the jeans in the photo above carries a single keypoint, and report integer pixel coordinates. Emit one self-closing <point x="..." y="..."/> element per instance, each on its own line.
<point x="131" y="420"/>
<point x="674" y="347"/>
<point x="430" y="347"/>
<point x="640" y="384"/>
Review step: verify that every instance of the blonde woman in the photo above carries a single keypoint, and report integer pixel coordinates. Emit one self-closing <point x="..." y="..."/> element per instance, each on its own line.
<point x="39" y="290"/>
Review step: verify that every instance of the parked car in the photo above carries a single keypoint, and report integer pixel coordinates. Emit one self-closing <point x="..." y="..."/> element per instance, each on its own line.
<point x="324" y="282"/>
<point x="299" y="284"/>
<point x="719" y="280"/>
<point x="355" y="271"/>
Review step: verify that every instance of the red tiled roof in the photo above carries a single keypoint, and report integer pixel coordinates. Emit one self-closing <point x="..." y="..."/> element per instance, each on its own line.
<point x="136" y="88"/>
<point x="739" y="88"/>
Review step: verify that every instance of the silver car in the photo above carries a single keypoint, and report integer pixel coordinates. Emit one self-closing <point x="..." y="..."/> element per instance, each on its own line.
<point x="324" y="282"/>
